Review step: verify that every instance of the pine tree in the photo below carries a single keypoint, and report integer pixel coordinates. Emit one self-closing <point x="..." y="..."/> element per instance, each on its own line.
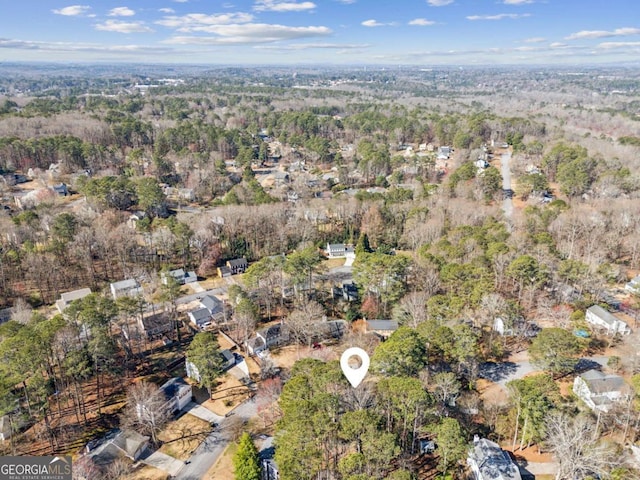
<point x="245" y="461"/>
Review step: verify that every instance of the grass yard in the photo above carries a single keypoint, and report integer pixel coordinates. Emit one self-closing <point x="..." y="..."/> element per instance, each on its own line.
<point x="146" y="472"/>
<point x="223" y="468"/>
<point x="182" y="436"/>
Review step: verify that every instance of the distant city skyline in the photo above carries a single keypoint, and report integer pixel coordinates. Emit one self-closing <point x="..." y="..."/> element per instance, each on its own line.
<point x="340" y="32"/>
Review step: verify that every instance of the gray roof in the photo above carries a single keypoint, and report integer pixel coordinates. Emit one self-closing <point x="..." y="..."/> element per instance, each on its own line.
<point x="211" y="303"/>
<point x="605" y="316"/>
<point x="173" y="386"/>
<point x="237" y="262"/>
<point x="75" y="295"/>
<point x="599" y="382"/>
<point x="128" y="284"/>
<point x="493" y="462"/>
<point x="382" y="325"/>
<point x="200" y="315"/>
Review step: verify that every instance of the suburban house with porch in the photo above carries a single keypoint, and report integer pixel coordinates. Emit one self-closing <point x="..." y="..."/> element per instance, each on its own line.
<point x="489" y="462"/>
<point x="237" y="265"/>
<point x="599" y="391"/>
<point x="610" y="323"/>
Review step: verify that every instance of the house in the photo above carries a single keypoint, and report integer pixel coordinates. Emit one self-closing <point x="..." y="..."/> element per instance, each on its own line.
<point x="5" y="428"/>
<point x="481" y="164"/>
<point x="444" y="152"/>
<point x="200" y="317"/>
<point x="633" y="286"/>
<point x="339" y="250"/>
<point x="178" y="394"/>
<point x="611" y="324"/>
<point x="228" y="361"/>
<point x="214" y="305"/>
<point x="154" y="325"/>
<point x="350" y="292"/>
<point x="180" y="275"/>
<point x="268" y="466"/>
<point x="489" y="462"/>
<point x="68" y="297"/>
<point x="237" y="265"/>
<point x="224" y="271"/>
<point x="599" y="390"/>
<point x="382" y="328"/>
<point x="272" y="336"/>
<point x="115" y="444"/>
<point x="126" y="288"/>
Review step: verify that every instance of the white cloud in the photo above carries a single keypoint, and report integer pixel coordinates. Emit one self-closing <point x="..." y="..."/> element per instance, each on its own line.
<point x="123" y="27"/>
<point x="280" y="6"/>
<point x="421" y="22"/>
<point x="181" y="1"/>
<point x="79" y="47"/>
<point x="612" y="45"/>
<point x="517" y="2"/>
<point x="372" y="23"/>
<point x="439" y="3"/>
<point x="618" y="32"/>
<point x="166" y="10"/>
<point x="535" y="40"/>
<point x="72" y="10"/>
<point x="249" y="33"/>
<point x="200" y="22"/>
<point x="347" y="2"/>
<point x="309" y="46"/>
<point x="558" y="45"/>
<point x="500" y="16"/>
<point x="121" y="12"/>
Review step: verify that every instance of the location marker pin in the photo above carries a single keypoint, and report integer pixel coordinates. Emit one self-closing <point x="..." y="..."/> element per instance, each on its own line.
<point x="354" y="375"/>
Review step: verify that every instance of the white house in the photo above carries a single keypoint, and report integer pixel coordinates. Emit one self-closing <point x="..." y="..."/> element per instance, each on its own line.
<point x="68" y="297"/>
<point x="211" y="310"/>
<point x="180" y="275"/>
<point x="599" y="390"/>
<point x="126" y="288"/>
<point x="633" y="286"/>
<point x="228" y="361"/>
<point x="489" y="462"/>
<point x="599" y="317"/>
<point x="339" y="250"/>
<point x="178" y="394"/>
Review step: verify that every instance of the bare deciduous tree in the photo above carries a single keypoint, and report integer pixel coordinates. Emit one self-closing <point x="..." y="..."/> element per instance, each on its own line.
<point x="577" y="448"/>
<point x="147" y="411"/>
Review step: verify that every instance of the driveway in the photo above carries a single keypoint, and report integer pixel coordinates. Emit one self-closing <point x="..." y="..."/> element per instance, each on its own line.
<point x="202" y="413"/>
<point x="164" y="462"/>
<point x="505" y="164"/>
<point x="210" y="450"/>
<point x="503" y="372"/>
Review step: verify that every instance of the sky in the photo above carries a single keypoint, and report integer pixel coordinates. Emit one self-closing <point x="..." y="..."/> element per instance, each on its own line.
<point x="340" y="32"/>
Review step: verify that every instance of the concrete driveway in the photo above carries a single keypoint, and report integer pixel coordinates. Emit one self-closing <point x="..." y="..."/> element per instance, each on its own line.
<point x="202" y="413"/>
<point x="164" y="462"/>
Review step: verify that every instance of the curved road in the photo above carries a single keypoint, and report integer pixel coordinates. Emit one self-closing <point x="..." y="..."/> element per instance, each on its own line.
<point x="212" y="447"/>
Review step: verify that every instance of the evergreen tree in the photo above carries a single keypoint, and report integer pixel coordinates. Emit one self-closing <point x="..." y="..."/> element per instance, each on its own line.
<point x="246" y="463"/>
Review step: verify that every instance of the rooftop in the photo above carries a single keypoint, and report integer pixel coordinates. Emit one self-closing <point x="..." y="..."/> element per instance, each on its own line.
<point x="600" y="382"/>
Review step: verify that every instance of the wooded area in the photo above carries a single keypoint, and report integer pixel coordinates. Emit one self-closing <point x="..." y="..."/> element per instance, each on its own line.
<point x="406" y="167"/>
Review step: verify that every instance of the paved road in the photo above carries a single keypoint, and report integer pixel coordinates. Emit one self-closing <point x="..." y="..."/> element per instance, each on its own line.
<point x="505" y="164"/>
<point x="501" y="373"/>
<point x="210" y="450"/>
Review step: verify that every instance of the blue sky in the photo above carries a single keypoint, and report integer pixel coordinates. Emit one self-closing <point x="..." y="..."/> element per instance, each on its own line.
<point x="342" y="32"/>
